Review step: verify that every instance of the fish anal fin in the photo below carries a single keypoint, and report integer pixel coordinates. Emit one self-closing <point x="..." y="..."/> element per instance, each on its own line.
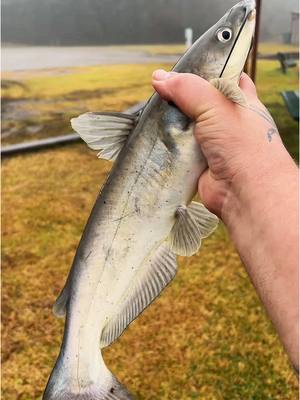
<point x="156" y="273"/>
<point x="231" y="90"/>
<point x="193" y="223"/>
<point x="107" y="132"/>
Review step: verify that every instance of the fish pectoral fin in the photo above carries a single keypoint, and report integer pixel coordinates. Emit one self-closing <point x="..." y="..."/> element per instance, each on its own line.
<point x="231" y="90"/>
<point x="107" y="132"/>
<point x="193" y="224"/>
<point x="154" y="275"/>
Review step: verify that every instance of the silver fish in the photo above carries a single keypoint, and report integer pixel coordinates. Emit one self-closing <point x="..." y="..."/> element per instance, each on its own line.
<point x="144" y="215"/>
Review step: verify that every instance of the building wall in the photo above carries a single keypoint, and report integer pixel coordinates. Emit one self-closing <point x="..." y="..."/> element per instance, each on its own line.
<point x="88" y="22"/>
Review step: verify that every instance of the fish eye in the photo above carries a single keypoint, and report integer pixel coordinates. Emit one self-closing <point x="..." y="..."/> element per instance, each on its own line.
<point x="224" y="35"/>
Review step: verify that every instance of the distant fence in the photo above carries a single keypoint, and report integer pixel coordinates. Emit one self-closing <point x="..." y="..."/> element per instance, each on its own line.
<point x="36" y="145"/>
<point x="275" y="56"/>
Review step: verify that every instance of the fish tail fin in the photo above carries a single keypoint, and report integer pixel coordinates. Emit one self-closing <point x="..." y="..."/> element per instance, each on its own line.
<point x="61" y="387"/>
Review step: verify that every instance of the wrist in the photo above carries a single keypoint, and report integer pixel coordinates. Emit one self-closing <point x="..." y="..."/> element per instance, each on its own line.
<point x="257" y="188"/>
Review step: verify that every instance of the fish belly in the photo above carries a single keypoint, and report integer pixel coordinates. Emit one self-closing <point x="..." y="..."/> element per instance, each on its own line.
<point x="133" y="216"/>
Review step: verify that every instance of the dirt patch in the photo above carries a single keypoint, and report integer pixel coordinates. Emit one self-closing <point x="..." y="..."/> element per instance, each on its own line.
<point x="27" y="74"/>
<point x="27" y="119"/>
<point x="86" y="94"/>
<point x="6" y="84"/>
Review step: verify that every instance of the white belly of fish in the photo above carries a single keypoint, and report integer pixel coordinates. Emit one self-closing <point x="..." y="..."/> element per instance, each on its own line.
<point x="126" y="242"/>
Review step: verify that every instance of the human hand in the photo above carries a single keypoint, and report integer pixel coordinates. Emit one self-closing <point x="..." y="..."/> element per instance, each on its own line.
<point x="239" y="143"/>
<point x="252" y="184"/>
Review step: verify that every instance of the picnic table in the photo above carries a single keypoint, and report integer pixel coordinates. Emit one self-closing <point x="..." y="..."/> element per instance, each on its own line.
<point x="288" y="60"/>
<point x="291" y="99"/>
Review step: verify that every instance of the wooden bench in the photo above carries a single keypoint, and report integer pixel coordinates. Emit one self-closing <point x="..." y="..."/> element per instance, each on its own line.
<point x="288" y="60"/>
<point x="291" y="99"/>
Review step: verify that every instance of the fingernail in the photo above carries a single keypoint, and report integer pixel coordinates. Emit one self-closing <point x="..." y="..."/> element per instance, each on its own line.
<point x="161" y="75"/>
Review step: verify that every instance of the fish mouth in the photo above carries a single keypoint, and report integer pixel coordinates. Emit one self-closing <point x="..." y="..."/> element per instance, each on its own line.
<point x="241" y="47"/>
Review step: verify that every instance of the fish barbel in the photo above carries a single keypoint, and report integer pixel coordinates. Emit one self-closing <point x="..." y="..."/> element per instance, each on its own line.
<point x="144" y="215"/>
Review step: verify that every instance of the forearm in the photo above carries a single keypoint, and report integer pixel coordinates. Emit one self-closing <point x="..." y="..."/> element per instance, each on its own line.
<point x="252" y="183"/>
<point x="261" y="213"/>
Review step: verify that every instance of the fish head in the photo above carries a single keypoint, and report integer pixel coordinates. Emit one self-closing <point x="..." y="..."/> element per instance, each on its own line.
<point x="222" y="51"/>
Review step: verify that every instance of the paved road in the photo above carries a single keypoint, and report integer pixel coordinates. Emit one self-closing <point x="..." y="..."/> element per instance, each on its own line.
<point x="28" y="58"/>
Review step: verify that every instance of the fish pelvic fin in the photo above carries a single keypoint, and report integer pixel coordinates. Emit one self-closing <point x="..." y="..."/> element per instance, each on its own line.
<point x="193" y="223"/>
<point x="231" y="90"/>
<point x="61" y="387"/>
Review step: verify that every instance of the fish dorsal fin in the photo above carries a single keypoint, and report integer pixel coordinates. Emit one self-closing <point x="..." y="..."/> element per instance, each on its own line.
<point x="155" y="274"/>
<point x="107" y="132"/>
<point x="231" y="90"/>
<point x="193" y="223"/>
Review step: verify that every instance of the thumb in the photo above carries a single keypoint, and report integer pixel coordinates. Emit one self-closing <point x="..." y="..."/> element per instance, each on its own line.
<point x="248" y="86"/>
<point x="192" y="95"/>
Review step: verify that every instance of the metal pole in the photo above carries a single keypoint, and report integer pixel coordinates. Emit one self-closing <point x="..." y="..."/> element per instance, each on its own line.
<point x="256" y="40"/>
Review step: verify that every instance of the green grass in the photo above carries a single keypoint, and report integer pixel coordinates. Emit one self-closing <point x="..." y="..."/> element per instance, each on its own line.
<point x="50" y="101"/>
<point x="207" y="337"/>
<point x="270" y="83"/>
<point x="266" y="48"/>
<point x="274" y="48"/>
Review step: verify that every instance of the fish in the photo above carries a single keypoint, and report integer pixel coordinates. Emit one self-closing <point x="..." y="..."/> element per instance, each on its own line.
<point x="144" y="216"/>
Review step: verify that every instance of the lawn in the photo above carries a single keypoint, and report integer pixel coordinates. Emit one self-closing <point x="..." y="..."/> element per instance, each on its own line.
<point x="41" y="105"/>
<point x="207" y="337"/>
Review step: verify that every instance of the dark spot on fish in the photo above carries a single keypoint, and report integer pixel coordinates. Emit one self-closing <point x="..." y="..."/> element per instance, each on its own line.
<point x="136" y="206"/>
<point x="86" y="258"/>
<point x="112" y="390"/>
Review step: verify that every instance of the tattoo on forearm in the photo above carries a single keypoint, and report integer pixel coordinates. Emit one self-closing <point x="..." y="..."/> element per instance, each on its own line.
<point x="271" y="132"/>
<point x="264" y="113"/>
